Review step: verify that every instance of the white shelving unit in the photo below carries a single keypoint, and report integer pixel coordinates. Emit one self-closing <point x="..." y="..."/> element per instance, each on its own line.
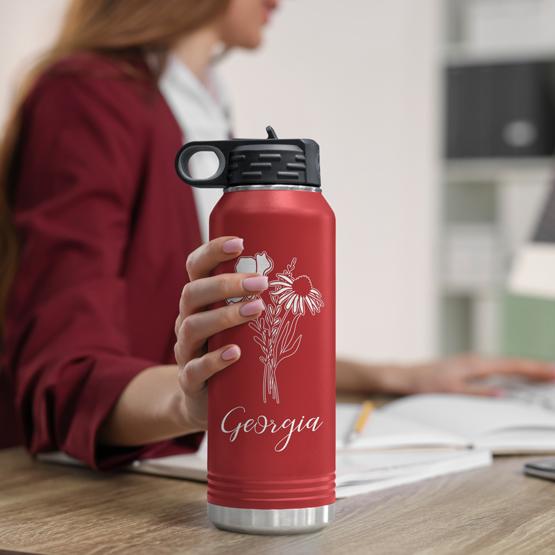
<point x="489" y="206"/>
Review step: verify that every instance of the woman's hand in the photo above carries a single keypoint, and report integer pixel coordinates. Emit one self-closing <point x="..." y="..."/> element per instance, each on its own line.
<point x="156" y="404"/>
<point x="467" y="374"/>
<point x="196" y="323"/>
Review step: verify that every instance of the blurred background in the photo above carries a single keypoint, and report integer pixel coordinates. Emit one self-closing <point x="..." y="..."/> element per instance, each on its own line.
<point x="436" y="125"/>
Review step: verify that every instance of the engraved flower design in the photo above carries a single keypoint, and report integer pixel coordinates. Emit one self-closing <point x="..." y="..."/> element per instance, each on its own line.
<point x="260" y="263"/>
<point x="296" y="293"/>
<point x="275" y="330"/>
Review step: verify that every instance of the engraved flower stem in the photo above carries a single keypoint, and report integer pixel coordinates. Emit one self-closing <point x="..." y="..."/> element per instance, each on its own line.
<point x="274" y="354"/>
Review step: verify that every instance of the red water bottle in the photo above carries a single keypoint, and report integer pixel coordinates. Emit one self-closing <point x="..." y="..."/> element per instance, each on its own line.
<point x="271" y="415"/>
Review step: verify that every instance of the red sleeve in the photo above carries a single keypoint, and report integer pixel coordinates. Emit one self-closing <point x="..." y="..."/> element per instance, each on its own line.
<point x="78" y="170"/>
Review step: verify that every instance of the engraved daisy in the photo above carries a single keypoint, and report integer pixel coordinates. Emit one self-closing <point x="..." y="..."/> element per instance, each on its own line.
<point x="275" y="331"/>
<point x="297" y="293"/>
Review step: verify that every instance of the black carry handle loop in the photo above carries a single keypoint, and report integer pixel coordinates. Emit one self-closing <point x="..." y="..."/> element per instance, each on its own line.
<point x="221" y="149"/>
<point x="254" y="162"/>
<point x="217" y="179"/>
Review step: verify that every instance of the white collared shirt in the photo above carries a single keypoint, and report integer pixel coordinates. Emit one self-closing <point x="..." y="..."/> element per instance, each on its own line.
<point x="202" y="113"/>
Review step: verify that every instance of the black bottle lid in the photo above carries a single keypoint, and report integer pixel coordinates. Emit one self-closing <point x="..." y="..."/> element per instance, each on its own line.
<point x="270" y="161"/>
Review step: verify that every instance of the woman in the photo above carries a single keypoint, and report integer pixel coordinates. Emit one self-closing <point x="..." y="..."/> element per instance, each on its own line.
<point x="102" y="240"/>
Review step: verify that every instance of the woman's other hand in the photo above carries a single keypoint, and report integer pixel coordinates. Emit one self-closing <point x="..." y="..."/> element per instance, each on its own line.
<point x="197" y="322"/>
<point x="470" y="374"/>
<point x="466" y="374"/>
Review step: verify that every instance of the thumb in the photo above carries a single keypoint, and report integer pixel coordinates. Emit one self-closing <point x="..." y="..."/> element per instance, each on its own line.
<point x="529" y="369"/>
<point x="482" y="390"/>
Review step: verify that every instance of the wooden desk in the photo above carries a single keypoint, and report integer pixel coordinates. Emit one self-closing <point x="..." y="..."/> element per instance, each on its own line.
<point x="62" y="510"/>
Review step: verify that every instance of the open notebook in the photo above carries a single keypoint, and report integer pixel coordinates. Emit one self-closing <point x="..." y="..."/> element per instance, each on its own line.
<point x="358" y="471"/>
<point x="456" y="421"/>
<point x="394" y="450"/>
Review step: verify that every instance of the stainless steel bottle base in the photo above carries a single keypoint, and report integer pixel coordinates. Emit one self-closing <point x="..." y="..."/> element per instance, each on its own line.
<point x="271" y="521"/>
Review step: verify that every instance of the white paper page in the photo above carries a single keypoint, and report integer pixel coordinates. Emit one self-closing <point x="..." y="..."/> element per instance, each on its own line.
<point x="385" y="431"/>
<point x="447" y="463"/>
<point x="190" y="466"/>
<point x="471" y="417"/>
<point x="369" y="466"/>
<point x="517" y="441"/>
<point x="357" y="472"/>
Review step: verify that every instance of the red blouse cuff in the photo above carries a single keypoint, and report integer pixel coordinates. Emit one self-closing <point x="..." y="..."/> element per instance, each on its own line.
<point x="104" y="386"/>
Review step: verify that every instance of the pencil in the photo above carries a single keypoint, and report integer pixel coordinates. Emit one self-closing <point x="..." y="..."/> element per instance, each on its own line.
<point x="365" y="411"/>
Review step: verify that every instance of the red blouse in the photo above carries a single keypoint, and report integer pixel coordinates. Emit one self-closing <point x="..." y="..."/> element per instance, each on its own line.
<point x="105" y="227"/>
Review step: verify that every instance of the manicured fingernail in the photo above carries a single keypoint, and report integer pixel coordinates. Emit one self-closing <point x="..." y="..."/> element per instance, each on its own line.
<point x="231" y="353"/>
<point x="255" y="283"/>
<point x="252" y="308"/>
<point x="233" y="245"/>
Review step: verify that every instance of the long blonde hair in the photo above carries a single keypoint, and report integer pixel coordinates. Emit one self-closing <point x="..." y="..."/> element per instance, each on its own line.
<point x="116" y="28"/>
